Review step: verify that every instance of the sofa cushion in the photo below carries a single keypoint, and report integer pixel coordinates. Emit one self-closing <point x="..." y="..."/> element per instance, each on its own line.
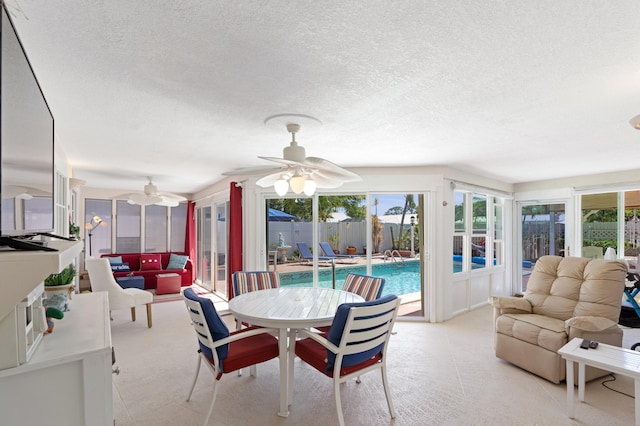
<point x="546" y="332"/>
<point x="120" y="267"/>
<point x="114" y="259"/>
<point x="564" y="287"/>
<point x="150" y="262"/>
<point x="589" y="323"/>
<point x="177" y="261"/>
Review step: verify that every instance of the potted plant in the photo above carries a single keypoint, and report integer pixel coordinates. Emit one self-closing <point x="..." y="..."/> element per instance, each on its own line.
<point x="58" y="288"/>
<point x="334" y="241"/>
<point x="351" y="250"/>
<point x="74" y="230"/>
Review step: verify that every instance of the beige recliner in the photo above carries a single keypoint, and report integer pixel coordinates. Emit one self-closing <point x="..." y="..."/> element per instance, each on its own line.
<point x="566" y="297"/>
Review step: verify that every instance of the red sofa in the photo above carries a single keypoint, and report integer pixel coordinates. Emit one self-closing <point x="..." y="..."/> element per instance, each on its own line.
<point x="133" y="259"/>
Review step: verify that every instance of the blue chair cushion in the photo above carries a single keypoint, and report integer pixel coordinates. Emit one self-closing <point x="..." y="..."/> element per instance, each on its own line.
<point x="337" y="328"/>
<point x="217" y="327"/>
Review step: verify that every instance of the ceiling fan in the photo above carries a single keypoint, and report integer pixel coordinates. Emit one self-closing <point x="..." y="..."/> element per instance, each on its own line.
<point x="296" y="170"/>
<point x="150" y="196"/>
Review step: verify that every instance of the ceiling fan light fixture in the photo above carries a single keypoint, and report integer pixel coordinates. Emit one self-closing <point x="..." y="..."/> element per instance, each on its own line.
<point x="281" y="187"/>
<point x="309" y="187"/>
<point x="635" y="122"/>
<point x="297" y="184"/>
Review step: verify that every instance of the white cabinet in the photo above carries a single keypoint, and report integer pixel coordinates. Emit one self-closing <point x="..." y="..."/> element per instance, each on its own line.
<point x="21" y="315"/>
<point x="67" y="381"/>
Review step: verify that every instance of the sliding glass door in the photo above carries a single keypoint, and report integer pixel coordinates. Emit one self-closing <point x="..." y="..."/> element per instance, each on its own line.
<point x="387" y="243"/>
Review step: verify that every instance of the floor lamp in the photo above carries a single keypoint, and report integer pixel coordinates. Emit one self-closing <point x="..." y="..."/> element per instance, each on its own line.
<point x="91" y="226"/>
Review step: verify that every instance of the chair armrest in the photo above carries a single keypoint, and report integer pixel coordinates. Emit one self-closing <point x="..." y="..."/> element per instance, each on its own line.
<point x="510" y="304"/>
<point x="318" y="338"/>
<point x="590" y="323"/>
<point x="244" y="333"/>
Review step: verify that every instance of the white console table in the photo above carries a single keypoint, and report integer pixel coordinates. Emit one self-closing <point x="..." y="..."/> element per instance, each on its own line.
<point x="68" y="379"/>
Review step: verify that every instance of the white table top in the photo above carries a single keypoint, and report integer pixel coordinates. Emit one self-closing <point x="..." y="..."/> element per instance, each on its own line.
<point x="607" y="357"/>
<point x="291" y="307"/>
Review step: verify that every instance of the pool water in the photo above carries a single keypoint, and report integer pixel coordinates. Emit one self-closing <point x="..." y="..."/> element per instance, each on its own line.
<point x="400" y="278"/>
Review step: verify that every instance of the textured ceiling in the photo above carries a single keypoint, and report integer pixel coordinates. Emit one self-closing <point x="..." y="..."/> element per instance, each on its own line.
<point x="179" y="90"/>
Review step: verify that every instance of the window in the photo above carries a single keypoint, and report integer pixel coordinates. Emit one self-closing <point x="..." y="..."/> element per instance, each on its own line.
<point x="97" y="238"/>
<point x="542" y="234"/>
<point x="127" y="227"/>
<point x="203" y="245"/>
<point x="600" y="223"/>
<point x="155" y="225"/>
<point x="178" y="227"/>
<point x="478" y="236"/>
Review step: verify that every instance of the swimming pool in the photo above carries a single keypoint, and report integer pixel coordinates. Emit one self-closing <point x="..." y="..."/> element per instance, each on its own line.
<point x="400" y="278"/>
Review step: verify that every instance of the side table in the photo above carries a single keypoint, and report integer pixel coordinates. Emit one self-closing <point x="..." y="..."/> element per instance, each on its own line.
<point x="131" y="282"/>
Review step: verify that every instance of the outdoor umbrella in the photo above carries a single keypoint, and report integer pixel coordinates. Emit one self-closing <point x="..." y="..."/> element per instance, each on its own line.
<point x="280" y="216"/>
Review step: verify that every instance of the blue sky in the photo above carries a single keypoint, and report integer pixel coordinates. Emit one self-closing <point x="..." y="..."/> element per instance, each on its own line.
<point x="386" y="201"/>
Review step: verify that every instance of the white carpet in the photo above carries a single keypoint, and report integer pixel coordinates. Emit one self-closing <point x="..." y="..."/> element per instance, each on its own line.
<point x="440" y="374"/>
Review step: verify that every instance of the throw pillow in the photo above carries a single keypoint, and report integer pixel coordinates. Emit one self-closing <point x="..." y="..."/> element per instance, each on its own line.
<point x="120" y="267"/>
<point x="177" y="262"/>
<point x="114" y="259"/>
<point x="150" y="262"/>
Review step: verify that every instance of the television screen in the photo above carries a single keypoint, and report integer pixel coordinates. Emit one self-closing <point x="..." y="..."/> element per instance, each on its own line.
<point x="26" y="142"/>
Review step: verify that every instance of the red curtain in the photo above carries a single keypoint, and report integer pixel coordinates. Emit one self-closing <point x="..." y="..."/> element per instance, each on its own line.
<point x="190" y="237"/>
<point x="235" y="235"/>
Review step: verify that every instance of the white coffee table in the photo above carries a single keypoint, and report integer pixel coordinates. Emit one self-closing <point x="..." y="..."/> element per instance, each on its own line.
<point x="289" y="309"/>
<point x="611" y="358"/>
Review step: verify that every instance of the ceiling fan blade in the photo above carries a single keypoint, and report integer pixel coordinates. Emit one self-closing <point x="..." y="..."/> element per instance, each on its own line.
<point x="257" y="170"/>
<point x="323" y="182"/>
<point x="331" y="170"/>
<point x="171" y="196"/>
<point x="270" y="179"/>
<point x="283" y="161"/>
<point x="144" y="199"/>
<point x="168" y="202"/>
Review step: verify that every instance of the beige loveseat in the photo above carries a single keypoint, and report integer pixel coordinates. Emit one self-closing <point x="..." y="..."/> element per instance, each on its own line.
<point x="566" y="297"/>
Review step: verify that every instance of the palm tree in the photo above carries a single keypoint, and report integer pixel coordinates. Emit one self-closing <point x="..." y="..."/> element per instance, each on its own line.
<point x="409" y="205"/>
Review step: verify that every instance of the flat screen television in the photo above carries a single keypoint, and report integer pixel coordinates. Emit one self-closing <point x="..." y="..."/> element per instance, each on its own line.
<point x="26" y="145"/>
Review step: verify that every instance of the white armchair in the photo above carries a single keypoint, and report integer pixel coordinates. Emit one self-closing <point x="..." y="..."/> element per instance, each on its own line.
<point x="102" y="279"/>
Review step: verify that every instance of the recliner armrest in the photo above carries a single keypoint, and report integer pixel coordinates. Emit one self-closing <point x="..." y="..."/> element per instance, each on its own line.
<point x="590" y="323"/>
<point x="512" y="305"/>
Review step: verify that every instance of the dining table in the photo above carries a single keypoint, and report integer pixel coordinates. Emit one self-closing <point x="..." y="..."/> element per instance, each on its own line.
<point x="289" y="309"/>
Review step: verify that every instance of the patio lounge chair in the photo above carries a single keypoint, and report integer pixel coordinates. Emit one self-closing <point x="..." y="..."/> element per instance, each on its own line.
<point x="306" y="255"/>
<point x="340" y="258"/>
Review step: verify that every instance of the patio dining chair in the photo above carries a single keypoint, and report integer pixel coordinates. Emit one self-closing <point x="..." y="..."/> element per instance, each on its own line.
<point x="247" y="281"/>
<point x="221" y="351"/>
<point x="356" y="343"/>
<point x="370" y="288"/>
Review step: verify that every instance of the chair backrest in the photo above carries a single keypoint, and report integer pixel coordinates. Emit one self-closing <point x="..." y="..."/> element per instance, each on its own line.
<point x="101" y="276"/>
<point x="305" y="252"/>
<point x="364" y="285"/>
<point x="567" y="287"/>
<point x="208" y="325"/>
<point x="246" y="281"/>
<point x="361" y="330"/>
<point x="326" y="248"/>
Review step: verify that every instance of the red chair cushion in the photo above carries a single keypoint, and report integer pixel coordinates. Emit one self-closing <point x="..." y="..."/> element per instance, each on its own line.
<point x="314" y="354"/>
<point x="250" y="351"/>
